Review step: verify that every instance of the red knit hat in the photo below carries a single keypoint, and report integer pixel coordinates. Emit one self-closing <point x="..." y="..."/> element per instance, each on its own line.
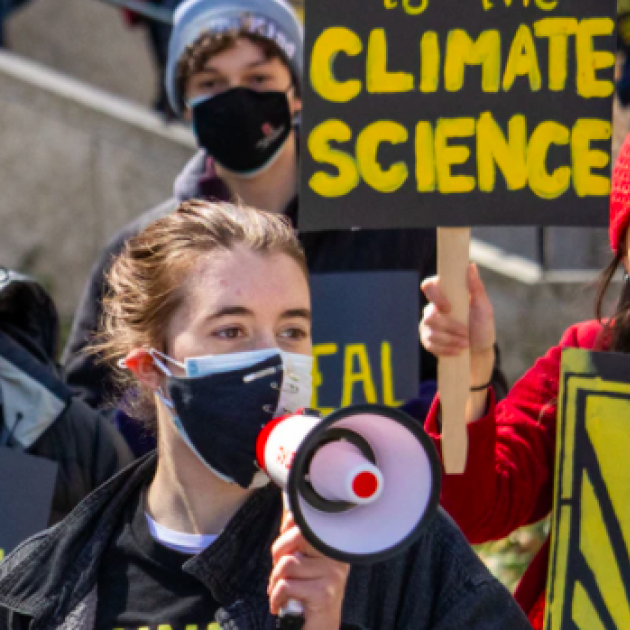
<point x="620" y="198"/>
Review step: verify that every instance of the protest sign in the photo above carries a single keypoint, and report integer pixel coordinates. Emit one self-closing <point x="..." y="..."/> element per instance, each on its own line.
<point x="421" y="113"/>
<point x="449" y="113"/>
<point x="26" y="490"/>
<point x="365" y="338"/>
<point x="589" y="571"/>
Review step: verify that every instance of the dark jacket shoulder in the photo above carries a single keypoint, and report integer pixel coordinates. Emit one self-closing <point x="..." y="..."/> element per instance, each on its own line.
<point x="439" y="583"/>
<point x="88" y="449"/>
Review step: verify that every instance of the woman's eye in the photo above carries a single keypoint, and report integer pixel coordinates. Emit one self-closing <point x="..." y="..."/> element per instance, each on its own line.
<point x="259" y="79"/>
<point x="212" y="86"/>
<point x="294" y="333"/>
<point x="229" y="333"/>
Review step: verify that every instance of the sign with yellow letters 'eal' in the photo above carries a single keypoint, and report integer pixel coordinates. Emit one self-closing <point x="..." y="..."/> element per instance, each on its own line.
<point x="365" y="338"/>
<point x="456" y="113"/>
<point x="589" y="575"/>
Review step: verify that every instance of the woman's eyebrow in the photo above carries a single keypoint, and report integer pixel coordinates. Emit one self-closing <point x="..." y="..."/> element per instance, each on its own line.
<point x="304" y="313"/>
<point x="208" y="70"/>
<point x="230" y="310"/>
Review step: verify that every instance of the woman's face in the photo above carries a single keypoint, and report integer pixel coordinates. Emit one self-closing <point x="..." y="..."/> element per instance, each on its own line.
<point x="238" y="301"/>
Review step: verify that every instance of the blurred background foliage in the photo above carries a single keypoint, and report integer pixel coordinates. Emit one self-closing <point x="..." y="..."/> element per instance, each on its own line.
<point x="507" y="559"/>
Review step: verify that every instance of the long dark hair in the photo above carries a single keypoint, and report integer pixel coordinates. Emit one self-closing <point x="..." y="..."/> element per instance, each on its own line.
<point x="616" y="329"/>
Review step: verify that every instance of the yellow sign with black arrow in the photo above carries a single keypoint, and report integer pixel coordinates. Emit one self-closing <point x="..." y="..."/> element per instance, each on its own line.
<point x="589" y="571"/>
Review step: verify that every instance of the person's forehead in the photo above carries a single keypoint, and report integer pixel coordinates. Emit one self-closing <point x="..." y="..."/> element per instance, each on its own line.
<point x="243" y="274"/>
<point x="242" y="53"/>
<point x="241" y="49"/>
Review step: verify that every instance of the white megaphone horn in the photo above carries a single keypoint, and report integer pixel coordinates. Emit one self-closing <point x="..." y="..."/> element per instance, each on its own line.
<point x="362" y="483"/>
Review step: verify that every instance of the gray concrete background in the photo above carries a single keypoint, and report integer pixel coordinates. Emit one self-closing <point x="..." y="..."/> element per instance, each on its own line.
<point x="76" y="164"/>
<point x="531" y="318"/>
<point x="88" y="40"/>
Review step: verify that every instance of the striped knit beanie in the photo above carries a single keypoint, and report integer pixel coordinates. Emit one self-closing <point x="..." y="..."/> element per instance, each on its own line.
<point x="273" y="19"/>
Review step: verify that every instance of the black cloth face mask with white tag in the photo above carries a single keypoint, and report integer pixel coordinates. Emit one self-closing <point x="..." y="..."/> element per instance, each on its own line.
<point x="242" y="129"/>
<point x="221" y="415"/>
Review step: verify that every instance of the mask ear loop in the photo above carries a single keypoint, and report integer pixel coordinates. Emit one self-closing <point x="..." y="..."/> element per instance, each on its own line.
<point x="160" y="391"/>
<point x="122" y="364"/>
<point x="153" y="352"/>
<point x="163" y="398"/>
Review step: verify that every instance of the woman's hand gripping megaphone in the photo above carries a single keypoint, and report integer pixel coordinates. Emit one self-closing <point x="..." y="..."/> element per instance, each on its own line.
<point x="302" y="574"/>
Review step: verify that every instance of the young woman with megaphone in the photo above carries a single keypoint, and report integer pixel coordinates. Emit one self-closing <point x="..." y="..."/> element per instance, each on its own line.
<point x="209" y="321"/>
<point x="509" y="477"/>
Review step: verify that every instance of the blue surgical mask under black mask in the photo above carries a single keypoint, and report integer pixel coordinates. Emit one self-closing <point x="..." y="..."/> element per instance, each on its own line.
<point x="220" y="408"/>
<point x="242" y="129"/>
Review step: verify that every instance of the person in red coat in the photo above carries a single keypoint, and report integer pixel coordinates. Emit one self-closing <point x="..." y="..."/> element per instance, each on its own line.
<point x="509" y="477"/>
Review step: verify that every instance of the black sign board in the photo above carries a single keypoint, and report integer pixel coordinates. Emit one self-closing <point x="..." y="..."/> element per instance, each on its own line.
<point x="457" y="113"/>
<point x="365" y="338"/>
<point x="26" y="490"/>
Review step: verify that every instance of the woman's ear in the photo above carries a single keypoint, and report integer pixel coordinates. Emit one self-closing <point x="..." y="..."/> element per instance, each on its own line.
<point x="295" y="102"/>
<point x="141" y="363"/>
<point x="297" y="105"/>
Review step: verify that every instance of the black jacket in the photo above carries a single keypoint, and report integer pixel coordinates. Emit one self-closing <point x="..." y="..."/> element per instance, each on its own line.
<point x="438" y="584"/>
<point x="367" y="250"/>
<point x="38" y="413"/>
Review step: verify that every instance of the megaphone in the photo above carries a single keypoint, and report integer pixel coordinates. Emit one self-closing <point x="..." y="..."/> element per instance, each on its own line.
<point x="362" y="483"/>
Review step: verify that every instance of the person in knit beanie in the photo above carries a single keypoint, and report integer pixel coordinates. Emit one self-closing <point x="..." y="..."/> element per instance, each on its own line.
<point x="512" y="444"/>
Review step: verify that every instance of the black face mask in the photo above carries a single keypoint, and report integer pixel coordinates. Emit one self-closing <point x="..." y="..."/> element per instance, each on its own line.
<point x="243" y="130"/>
<point x="221" y="415"/>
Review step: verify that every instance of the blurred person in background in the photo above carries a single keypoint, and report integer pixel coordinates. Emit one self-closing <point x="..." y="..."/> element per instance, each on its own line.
<point x="234" y="71"/>
<point x="38" y="414"/>
<point x="159" y="34"/>
<point x="6" y="8"/>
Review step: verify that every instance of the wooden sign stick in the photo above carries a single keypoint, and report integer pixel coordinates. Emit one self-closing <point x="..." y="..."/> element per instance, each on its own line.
<point x="454" y="372"/>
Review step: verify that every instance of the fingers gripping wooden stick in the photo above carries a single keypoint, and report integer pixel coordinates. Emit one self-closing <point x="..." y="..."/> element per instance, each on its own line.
<point x="454" y="372"/>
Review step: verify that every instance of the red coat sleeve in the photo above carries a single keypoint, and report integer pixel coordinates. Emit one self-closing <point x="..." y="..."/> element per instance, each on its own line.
<point x="508" y="481"/>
